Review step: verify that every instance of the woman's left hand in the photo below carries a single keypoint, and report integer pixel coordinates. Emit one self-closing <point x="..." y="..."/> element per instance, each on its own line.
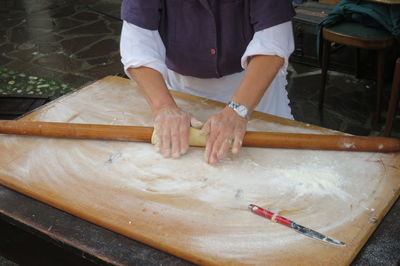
<point x="225" y="131"/>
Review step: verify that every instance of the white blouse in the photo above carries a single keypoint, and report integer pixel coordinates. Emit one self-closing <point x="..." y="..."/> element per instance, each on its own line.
<point x="142" y="47"/>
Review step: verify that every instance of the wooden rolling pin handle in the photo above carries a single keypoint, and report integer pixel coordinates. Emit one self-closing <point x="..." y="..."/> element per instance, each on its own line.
<point x="76" y="131"/>
<point x="251" y="139"/>
<point x="321" y="142"/>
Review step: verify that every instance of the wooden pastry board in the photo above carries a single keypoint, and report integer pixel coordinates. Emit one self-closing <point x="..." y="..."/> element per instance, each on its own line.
<point x="193" y="210"/>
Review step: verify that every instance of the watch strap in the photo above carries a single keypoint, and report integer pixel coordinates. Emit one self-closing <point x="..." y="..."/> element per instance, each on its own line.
<point x="240" y="109"/>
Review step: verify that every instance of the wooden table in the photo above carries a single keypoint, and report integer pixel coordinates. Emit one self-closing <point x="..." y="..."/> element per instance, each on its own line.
<point x="198" y="215"/>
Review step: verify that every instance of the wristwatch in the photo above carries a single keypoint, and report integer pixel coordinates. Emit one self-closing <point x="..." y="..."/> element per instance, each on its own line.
<point x="240" y="109"/>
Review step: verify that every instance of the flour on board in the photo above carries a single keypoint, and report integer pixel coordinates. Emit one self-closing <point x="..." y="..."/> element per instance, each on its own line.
<point x="321" y="189"/>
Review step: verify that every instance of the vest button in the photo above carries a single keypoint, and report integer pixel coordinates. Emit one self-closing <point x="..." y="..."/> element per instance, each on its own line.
<point x="213" y="51"/>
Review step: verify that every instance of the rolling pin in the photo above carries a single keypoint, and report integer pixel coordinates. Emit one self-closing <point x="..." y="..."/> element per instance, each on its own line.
<point x="251" y="138"/>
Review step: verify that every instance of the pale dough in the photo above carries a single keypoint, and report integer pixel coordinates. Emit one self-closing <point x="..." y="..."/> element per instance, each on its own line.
<point x="196" y="138"/>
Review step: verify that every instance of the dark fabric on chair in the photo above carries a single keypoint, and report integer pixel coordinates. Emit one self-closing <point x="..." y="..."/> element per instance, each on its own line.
<point x="388" y="16"/>
<point x="367" y="13"/>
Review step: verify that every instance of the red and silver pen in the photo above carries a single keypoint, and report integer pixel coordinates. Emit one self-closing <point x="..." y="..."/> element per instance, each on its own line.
<point x="299" y="228"/>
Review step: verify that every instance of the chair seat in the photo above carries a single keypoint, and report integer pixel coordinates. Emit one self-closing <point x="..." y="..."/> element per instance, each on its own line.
<point x="358" y="35"/>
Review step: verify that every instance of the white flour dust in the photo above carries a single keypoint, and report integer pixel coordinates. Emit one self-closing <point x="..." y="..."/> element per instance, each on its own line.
<point x="243" y="177"/>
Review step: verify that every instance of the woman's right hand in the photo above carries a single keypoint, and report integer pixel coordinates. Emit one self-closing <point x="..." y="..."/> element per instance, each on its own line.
<point x="172" y="126"/>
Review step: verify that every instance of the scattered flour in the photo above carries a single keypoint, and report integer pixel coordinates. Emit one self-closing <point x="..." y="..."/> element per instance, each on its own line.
<point x="313" y="188"/>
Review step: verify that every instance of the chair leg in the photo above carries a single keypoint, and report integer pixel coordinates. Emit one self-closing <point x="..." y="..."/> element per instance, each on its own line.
<point x="380" y="82"/>
<point x="326" y="45"/>
<point x="357" y="63"/>
<point x="394" y="100"/>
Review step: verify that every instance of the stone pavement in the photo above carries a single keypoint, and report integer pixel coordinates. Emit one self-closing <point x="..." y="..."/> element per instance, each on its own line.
<point x="73" y="42"/>
<point x="77" y="41"/>
<point x="349" y="102"/>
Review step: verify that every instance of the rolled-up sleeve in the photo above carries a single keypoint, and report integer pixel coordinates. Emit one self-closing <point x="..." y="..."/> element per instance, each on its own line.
<point x="276" y="40"/>
<point x="140" y="47"/>
<point x="142" y="13"/>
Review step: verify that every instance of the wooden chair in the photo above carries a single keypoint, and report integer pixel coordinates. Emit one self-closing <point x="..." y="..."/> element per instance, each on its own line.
<point x="394" y="100"/>
<point x="358" y="36"/>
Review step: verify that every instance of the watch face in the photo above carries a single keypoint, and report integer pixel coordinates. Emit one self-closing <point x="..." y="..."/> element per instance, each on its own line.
<point x="242" y="110"/>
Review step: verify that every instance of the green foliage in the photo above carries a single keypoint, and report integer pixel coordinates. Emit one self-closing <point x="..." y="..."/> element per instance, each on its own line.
<point x="19" y="84"/>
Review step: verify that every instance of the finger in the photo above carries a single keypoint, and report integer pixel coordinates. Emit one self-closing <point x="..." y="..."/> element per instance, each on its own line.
<point x="224" y="148"/>
<point x="158" y="139"/>
<point x="206" y="129"/>
<point x="237" y="145"/>
<point x="210" y="142"/>
<point x="238" y="141"/>
<point x="195" y="123"/>
<point x="217" y="152"/>
<point x="158" y="143"/>
<point x="208" y="150"/>
<point x="184" y="138"/>
<point x="166" y="143"/>
<point x="175" y="142"/>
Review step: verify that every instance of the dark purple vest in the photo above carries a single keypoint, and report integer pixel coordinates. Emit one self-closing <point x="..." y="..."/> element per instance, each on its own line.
<point x="206" y="38"/>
